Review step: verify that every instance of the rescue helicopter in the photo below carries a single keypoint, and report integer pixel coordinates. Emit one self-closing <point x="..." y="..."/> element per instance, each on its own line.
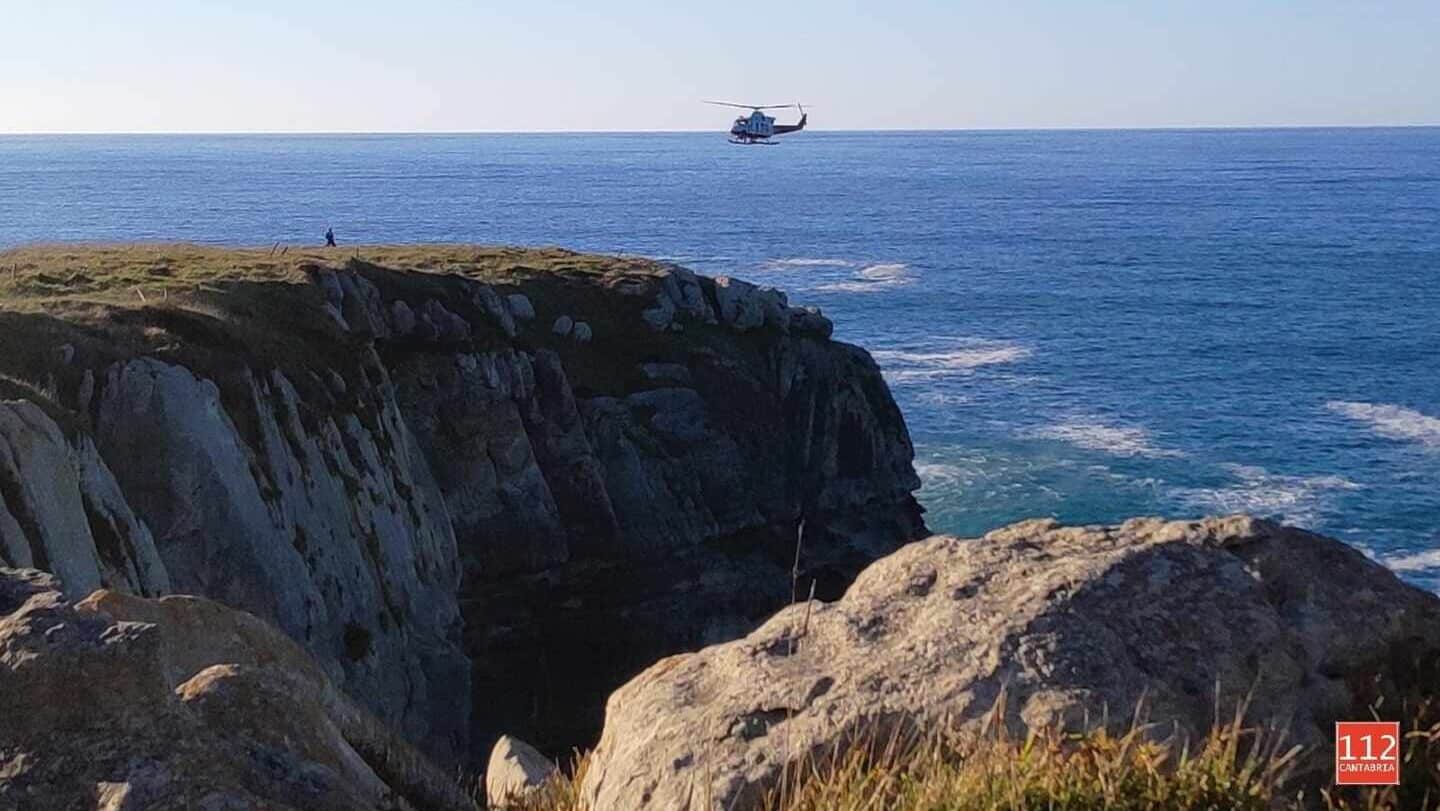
<point x="758" y="128"/>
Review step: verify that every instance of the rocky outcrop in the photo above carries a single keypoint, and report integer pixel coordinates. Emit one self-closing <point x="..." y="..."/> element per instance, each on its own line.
<point x="61" y="509"/>
<point x="480" y="498"/>
<point x="122" y="702"/>
<point x="1069" y="624"/>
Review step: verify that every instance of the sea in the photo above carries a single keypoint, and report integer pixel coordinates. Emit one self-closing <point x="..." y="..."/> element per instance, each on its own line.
<point x="1088" y="325"/>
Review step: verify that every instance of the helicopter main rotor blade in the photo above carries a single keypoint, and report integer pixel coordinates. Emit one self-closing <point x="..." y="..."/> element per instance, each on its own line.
<point x="749" y="106"/>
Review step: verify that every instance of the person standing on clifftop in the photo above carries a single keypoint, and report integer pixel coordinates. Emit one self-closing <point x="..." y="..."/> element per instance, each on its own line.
<point x="329" y="237"/>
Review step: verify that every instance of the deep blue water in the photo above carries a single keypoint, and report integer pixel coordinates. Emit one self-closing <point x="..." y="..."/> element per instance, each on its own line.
<point x="1088" y="325"/>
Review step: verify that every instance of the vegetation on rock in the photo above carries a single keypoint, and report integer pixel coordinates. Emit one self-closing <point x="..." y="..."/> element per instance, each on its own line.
<point x="1234" y="767"/>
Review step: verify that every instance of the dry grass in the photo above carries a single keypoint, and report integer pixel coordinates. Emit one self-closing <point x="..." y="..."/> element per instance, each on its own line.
<point x="560" y="794"/>
<point x="1233" y="768"/>
<point x="1419" y="766"/>
<point x="220" y="310"/>
<point x="144" y="273"/>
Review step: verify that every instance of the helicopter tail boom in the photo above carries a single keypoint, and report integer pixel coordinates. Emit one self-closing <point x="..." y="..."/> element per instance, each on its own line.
<point x="781" y="129"/>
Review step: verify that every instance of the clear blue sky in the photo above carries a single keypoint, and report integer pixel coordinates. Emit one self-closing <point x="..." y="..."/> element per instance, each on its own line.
<point x="448" y="65"/>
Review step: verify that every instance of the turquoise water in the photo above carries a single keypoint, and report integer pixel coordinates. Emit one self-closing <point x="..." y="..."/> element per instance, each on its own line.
<point x="1088" y="325"/>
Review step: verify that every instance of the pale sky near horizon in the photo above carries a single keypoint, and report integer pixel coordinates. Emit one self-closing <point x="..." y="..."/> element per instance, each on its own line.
<point x="538" y="65"/>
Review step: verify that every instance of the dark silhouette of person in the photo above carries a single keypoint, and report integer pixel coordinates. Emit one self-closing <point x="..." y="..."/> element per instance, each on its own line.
<point x="329" y="237"/>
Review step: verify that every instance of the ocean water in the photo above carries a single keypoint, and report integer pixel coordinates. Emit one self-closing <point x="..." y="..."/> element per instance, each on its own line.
<point x="1086" y="325"/>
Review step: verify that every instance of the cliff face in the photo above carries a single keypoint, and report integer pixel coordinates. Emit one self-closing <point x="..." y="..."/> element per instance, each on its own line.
<point x="61" y="509"/>
<point x="483" y="488"/>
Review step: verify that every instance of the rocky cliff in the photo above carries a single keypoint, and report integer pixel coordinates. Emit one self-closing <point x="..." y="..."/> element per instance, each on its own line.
<point x="483" y="487"/>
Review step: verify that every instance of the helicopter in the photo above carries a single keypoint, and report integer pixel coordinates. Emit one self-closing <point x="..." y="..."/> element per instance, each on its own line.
<point x="758" y="128"/>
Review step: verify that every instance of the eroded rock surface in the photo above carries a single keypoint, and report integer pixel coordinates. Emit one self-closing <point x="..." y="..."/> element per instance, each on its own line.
<point x="124" y="702"/>
<point x="1070" y="622"/>
<point x="329" y="526"/>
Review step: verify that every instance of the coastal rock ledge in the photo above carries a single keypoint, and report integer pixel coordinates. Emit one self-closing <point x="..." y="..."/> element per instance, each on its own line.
<point x="1068" y="623"/>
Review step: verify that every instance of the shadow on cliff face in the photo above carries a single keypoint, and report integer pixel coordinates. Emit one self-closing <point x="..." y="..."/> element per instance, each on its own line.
<point x="599" y="462"/>
<point x="652" y="512"/>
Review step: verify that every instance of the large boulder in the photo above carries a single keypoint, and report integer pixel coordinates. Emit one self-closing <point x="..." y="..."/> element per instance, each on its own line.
<point x="682" y="287"/>
<point x="661" y="315"/>
<point x="485" y="298"/>
<point x="809" y="321"/>
<point x="520" y="307"/>
<point x="1069" y="623"/>
<point x="742" y="306"/>
<point x="126" y="702"/>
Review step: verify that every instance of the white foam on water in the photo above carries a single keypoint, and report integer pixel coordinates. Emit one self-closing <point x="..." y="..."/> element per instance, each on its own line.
<point x="1392" y="421"/>
<point x="886" y="272"/>
<point x="1426" y="561"/>
<point x="1420" y="568"/>
<point x="905" y="366"/>
<point x="941" y="398"/>
<point x="1118" y="440"/>
<point x="957" y="359"/>
<point x="937" y="474"/>
<point x="873" y="279"/>
<point x="1297" y="500"/>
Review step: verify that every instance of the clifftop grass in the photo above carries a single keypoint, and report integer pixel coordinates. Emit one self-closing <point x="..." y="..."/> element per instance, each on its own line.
<point x="142" y="272"/>
<point x="220" y="311"/>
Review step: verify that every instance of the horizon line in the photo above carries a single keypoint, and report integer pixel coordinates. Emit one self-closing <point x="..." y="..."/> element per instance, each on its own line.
<point x="1145" y="128"/>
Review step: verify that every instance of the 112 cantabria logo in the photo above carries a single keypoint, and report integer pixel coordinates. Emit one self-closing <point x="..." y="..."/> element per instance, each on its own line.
<point x="1367" y="753"/>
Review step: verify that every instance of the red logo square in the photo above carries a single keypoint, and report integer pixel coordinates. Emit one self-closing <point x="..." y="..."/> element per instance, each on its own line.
<point x="1367" y="753"/>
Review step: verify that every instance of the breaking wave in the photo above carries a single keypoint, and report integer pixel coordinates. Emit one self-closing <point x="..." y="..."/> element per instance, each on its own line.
<point x="1297" y="500"/>
<point x="1392" y="421"/>
<point x="1119" y="440"/>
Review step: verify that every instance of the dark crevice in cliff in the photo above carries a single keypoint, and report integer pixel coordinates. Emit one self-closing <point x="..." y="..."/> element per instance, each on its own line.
<point x="114" y="547"/>
<point x="12" y="496"/>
